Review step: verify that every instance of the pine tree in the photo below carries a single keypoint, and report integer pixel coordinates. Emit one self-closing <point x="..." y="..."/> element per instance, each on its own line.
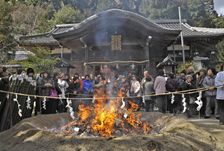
<point x="7" y="42"/>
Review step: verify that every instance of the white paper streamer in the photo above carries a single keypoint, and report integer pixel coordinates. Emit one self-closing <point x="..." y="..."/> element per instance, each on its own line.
<point x="61" y="99"/>
<point x="94" y="99"/>
<point x="184" y="103"/>
<point x="21" y="77"/>
<point x="19" y="109"/>
<point x="13" y="77"/>
<point x="28" y="103"/>
<point x="44" y="103"/>
<point x="30" y="80"/>
<point x="199" y="101"/>
<point x="76" y="129"/>
<point x="123" y="103"/>
<point x="125" y="115"/>
<point x="143" y="99"/>
<point x="7" y="96"/>
<point x="69" y="103"/>
<point x="172" y="98"/>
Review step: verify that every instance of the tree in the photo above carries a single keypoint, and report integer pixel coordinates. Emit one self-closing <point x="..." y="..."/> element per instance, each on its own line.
<point x="31" y="18"/>
<point x="7" y="42"/>
<point x="67" y="14"/>
<point x="220" y="48"/>
<point x="40" y="61"/>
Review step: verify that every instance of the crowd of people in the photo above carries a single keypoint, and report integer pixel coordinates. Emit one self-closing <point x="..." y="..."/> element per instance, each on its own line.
<point x="131" y="86"/>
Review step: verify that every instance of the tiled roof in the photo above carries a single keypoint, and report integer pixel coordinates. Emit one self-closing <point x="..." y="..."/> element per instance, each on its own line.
<point x="168" y="25"/>
<point x="167" y="62"/>
<point x="189" y="31"/>
<point x="45" y="38"/>
<point x="64" y="64"/>
<point x="110" y="17"/>
<point x="63" y="27"/>
<point x="210" y="30"/>
<point x="41" y="39"/>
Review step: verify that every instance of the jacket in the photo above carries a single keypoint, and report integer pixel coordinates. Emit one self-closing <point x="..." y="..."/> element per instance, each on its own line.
<point x="171" y="85"/>
<point x="160" y="85"/>
<point x="148" y="89"/>
<point x="209" y="82"/>
<point x="135" y="87"/>
<point x="219" y="81"/>
<point x="87" y="87"/>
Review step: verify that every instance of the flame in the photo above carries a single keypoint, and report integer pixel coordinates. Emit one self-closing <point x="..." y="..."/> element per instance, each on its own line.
<point x="105" y="116"/>
<point x="104" y="120"/>
<point x="84" y="112"/>
<point x="133" y="106"/>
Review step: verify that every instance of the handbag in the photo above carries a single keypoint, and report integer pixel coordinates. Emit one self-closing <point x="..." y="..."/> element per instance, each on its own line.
<point x="53" y="93"/>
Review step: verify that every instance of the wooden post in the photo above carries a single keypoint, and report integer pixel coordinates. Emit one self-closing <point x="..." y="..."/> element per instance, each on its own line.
<point x="86" y="59"/>
<point x="148" y="42"/>
<point x="181" y="35"/>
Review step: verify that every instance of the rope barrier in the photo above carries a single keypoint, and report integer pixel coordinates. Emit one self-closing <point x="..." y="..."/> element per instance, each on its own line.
<point x="191" y="91"/>
<point x="69" y="100"/>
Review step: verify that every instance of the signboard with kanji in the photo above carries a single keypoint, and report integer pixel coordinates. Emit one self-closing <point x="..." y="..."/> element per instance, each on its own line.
<point x="116" y="43"/>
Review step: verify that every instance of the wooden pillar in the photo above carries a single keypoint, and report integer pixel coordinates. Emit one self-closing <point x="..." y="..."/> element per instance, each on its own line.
<point x="174" y="53"/>
<point x="94" y="70"/>
<point x="147" y="57"/>
<point x="86" y="60"/>
<point x="147" y="51"/>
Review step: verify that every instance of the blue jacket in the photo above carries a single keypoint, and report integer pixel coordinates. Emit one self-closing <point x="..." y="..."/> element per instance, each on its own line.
<point x="87" y="87"/>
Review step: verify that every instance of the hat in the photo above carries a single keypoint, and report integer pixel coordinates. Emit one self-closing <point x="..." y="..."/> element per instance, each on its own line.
<point x="189" y="76"/>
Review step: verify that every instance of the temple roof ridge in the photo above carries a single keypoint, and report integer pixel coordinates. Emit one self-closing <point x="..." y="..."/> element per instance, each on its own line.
<point x="163" y="26"/>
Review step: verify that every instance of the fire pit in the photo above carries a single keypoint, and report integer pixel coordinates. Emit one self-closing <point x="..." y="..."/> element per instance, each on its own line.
<point x="107" y="123"/>
<point x="167" y="133"/>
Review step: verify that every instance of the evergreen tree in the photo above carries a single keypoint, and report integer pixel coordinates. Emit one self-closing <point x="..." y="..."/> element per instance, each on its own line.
<point x="7" y="42"/>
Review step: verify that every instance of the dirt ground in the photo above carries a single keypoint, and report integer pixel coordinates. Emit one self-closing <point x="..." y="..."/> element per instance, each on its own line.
<point x="169" y="134"/>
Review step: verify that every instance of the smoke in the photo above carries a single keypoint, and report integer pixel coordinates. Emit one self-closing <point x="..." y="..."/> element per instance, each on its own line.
<point x="219" y="6"/>
<point x="107" y="26"/>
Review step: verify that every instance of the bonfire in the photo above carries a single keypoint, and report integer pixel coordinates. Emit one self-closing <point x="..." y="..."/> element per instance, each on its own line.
<point x="106" y="117"/>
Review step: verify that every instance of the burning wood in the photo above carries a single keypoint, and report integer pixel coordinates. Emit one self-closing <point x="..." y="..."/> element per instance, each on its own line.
<point x="106" y="117"/>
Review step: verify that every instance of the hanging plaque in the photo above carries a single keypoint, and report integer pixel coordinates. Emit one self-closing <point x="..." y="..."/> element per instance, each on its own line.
<point x="116" y="42"/>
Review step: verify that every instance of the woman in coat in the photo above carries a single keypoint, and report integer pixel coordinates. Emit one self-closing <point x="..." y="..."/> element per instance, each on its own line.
<point x="210" y="94"/>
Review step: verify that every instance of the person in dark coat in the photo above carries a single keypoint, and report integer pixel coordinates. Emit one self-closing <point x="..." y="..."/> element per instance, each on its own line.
<point x="190" y="71"/>
<point x="171" y="86"/>
<point x="46" y="87"/>
<point x="199" y="84"/>
<point x="188" y="85"/>
<point x="4" y="85"/>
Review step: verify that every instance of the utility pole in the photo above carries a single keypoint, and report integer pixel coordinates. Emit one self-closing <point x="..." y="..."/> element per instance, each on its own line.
<point x="181" y="35"/>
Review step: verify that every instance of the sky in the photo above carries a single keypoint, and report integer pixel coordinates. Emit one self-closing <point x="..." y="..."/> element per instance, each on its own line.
<point x="219" y="6"/>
